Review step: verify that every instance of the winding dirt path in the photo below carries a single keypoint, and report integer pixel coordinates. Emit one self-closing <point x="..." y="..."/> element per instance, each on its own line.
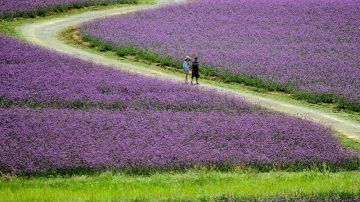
<point x="45" y="34"/>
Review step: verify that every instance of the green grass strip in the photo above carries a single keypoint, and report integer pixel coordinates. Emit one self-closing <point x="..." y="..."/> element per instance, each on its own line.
<point x="189" y="186"/>
<point x="209" y="72"/>
<point x="349" y="143"/>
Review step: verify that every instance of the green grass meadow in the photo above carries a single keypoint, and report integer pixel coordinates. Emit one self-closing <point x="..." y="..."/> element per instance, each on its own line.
<point x="188" y="186"/>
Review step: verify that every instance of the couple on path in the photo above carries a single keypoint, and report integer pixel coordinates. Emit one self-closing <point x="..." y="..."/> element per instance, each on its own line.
<point x="194" y="69"/>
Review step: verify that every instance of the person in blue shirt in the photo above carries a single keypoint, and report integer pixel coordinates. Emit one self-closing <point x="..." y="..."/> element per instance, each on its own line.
<point x="186" y="67"/>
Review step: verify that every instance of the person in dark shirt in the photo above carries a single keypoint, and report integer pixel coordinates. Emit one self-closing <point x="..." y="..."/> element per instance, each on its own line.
<point x="195" y="71"/>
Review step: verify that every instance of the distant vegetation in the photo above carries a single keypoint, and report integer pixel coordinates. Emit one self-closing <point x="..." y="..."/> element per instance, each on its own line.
<point x="34" y="8"/>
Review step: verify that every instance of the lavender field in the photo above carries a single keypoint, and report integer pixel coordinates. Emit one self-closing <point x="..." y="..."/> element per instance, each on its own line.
<point x="39" y="141"/>
<point x="35" y="77"/>
<point x="61" y="114"/>
<point x="311" y="45"/>
<point x="32" y="8"/>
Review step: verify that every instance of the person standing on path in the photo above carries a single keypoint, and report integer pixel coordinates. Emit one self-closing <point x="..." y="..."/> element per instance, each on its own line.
<point x="186" y="67"/>
<point x="195" y="71"/>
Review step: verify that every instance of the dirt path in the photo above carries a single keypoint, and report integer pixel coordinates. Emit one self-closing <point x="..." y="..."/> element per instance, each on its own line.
<point x="45" y="34"/>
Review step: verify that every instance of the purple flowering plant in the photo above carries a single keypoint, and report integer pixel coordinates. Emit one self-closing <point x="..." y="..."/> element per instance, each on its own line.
<point x="310" y="48"/>
<point x="56" y="116"/>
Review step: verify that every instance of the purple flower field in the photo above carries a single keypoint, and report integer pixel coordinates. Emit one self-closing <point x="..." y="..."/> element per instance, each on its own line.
<point x="163" y="125"/>
<point x="37" y="141"/>
<point x="31" y="75"/>
<point x="313" y="45"/>
<point x="24" y="6"/>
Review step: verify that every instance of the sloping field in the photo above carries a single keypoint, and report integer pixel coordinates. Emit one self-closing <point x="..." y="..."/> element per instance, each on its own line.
<point x="63" y="114"/>
<point x="71" y="130"/>
<point x="307" y="48"/>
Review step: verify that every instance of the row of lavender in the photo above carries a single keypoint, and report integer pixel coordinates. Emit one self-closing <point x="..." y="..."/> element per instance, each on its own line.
<point x="34" y="77"/>
<point x="32" y="8"/>
<point x="311" y="45"/>
<point x="226" y="132"/>
<point x="40" y="141"/>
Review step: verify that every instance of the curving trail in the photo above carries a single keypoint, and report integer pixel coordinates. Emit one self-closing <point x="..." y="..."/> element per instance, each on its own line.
<point x="44" y="34"/>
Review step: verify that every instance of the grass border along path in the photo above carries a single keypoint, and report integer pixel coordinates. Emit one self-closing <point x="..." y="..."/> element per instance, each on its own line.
<point x="189" y="186"/>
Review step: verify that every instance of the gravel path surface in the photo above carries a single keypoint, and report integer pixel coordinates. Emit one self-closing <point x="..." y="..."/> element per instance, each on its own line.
<point x="45" y="33"/>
